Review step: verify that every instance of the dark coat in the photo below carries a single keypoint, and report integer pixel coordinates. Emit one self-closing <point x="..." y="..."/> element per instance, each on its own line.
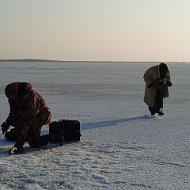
<point x="150" y="76"/>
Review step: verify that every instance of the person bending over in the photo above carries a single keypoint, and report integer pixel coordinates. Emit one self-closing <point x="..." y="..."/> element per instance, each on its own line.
<point x="157" y="79"/>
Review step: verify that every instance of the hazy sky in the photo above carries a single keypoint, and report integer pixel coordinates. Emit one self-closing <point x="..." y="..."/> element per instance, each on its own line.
<point x="109" y="30"/>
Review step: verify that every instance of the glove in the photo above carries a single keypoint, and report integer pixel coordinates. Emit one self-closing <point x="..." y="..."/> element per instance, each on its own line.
<point x="16" y="150"/>
<point x="168" y="83"/>
<point x="156" y="84"/>
<point x="4" y="127"/>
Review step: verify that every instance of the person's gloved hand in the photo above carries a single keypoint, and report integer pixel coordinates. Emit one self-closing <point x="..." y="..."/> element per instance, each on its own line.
<point x="4" y="127"/>
<point x="168" y="83"/>
<point x="156" y="84"/>
<point x="16" y="150"/>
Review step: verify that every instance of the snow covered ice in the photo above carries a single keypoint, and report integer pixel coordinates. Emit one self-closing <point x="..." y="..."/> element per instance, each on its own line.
<point x="122" y="146"/>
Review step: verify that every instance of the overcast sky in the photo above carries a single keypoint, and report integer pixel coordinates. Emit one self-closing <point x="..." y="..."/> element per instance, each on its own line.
<point x="108" y="30"/>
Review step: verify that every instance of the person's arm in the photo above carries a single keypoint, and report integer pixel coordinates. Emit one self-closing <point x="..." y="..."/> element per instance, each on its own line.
<point x="167" y="81"/>
<point x="11" y="118"/>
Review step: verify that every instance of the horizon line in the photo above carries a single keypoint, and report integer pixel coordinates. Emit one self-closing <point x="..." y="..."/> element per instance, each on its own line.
<point x="55" y="60"/>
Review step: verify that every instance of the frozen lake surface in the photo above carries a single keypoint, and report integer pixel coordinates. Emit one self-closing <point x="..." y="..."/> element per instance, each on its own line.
<point x="122" y="146"/>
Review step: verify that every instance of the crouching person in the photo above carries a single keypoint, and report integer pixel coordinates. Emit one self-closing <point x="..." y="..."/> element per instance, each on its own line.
<point x="28" y="113"/>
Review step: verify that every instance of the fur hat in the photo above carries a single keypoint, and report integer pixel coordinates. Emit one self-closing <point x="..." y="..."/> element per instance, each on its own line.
<point x="11" y="89"/>
<point x="163" y="68"/>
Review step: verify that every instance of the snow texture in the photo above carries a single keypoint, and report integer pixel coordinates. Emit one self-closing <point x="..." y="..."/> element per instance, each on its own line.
<point x="122" y="146"/>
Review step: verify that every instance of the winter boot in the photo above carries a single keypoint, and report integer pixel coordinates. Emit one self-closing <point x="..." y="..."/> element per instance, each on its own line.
<point x="160" y="113"/>
<point x="151" y="110"/>
<point x="16" y="150"/>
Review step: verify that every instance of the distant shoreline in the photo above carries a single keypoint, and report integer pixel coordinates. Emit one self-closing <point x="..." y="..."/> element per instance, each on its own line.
<point x="51" y="60"/>
<point x="30" y="60"/>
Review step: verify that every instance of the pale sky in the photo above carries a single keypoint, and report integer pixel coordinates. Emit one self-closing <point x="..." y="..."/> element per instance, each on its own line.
<point x="97" y="30"/>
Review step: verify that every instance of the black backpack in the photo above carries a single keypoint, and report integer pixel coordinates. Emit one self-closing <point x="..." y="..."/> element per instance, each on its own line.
<point x="64" y="131"/>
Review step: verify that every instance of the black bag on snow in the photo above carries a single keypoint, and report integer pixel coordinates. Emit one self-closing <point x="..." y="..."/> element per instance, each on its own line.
<point x="65" y="131"/>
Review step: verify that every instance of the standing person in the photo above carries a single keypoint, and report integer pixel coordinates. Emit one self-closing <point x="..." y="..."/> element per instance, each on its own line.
<point x="157" y="79"/>
<point x="28" y="113"/>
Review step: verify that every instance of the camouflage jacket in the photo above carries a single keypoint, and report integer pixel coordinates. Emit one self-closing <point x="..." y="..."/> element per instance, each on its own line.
<point x="29" y="106"/>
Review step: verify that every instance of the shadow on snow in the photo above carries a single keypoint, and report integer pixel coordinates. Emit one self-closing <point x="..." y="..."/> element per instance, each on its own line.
<point x="110" y="123"/>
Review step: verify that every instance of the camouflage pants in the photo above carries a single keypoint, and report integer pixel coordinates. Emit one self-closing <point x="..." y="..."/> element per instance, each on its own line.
<point x="29" y="130"/>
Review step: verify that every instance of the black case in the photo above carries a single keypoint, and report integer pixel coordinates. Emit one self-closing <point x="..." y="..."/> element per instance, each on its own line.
<point x="70" y="130"/>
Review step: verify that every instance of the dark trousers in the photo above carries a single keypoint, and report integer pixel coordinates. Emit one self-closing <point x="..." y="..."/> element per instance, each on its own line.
<point x="33" y="139"/>
<point x="158" y="102"/>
